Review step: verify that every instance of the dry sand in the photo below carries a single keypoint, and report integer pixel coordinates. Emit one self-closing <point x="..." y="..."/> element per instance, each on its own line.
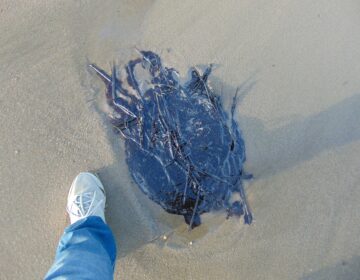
<point x="299" y="66"/>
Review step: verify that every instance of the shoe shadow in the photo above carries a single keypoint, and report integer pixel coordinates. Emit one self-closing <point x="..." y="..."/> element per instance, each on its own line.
<point x="130" y="214"/>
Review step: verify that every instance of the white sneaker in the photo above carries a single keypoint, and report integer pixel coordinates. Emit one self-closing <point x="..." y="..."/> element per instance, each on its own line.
<point x="86" y="198"/>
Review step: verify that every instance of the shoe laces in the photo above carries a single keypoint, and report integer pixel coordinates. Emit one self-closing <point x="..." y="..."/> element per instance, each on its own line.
<point x="83" y="205"/>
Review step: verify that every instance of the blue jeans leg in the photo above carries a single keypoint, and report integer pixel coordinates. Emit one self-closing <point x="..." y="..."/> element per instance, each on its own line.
<point x="86" y="250"/>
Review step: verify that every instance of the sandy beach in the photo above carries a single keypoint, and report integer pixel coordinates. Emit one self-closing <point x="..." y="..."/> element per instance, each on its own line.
<point x="297" y="64"/>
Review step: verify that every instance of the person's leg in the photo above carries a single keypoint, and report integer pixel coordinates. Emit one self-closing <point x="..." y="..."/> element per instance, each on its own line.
<point x="87" y="248"/>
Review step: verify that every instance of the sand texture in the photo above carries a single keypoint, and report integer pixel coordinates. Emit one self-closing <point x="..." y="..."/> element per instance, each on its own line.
<point x="297" y="64"/>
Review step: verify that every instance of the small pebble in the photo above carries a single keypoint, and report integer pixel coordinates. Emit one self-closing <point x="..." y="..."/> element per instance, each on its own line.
<point x="16" y="152"/>
<point x="164" y="237"/>
<point x="190" y="243"/>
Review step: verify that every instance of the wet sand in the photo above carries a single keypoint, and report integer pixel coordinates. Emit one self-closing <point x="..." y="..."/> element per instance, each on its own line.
<point x="297" y="66"/>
